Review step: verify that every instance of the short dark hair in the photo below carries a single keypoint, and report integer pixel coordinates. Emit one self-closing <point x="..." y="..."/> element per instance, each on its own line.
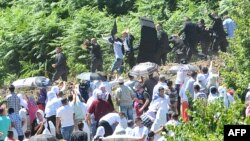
<point x="12" y="88"/>
<point x="138" y="119"/>
<point x="11" y="110"/>
<point x="130" y="123"/>
<point x="197" y="87"/>
<point x="169" y="83"/>
<point x="80" y="125"/>
<point x="70" y="97"/>
<point x="27" y="134"/>
<point x="10" y="134"/>
<point x="64" y="101"/>
<point x="204" y="69"/>
<point x="193" y="73"/>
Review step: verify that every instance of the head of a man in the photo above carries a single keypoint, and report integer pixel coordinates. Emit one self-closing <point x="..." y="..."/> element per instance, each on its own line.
<point x="80" y="125"/>
<point x="124" y="34"/>
<point x="12" y="88"/>
<point x="214" y="14"/>
<point x="93" y="41"/>
<point x="64" y="101"/>
<point x="58" y="50"/>
<point x="159" y="27"/>
<point x="161" y="91"/>
<point x="138" y="122"/>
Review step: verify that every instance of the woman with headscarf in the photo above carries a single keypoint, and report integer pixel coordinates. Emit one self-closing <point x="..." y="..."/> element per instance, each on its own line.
<point x="108" y="97"/>
<point x="51" y="106"/>
<point x="41" y="126"/>
<point x="32" y="107"/>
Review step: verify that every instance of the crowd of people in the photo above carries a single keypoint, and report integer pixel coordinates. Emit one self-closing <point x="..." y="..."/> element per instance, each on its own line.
<point x="136" y="108"/>
<point x="93" y="110"/>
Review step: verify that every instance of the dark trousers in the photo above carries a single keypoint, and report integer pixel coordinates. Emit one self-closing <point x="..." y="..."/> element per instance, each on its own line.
<point x="60" y="73"/>
<point x="52" y="119"/>
<point x="108" y="128"/>
<point x="177" y="87"/>
<point x="130" y="59"/>
<point x="163" y="58"/>
<point x="96" y="64"/>
<point x="220" y="42"/>
<point x="191" y="48"/>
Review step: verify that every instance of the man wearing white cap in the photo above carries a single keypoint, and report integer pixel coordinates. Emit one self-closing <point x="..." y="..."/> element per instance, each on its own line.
<point x="124" y="99"/>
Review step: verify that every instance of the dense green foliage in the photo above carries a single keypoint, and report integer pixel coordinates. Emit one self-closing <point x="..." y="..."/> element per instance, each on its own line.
<point x="31" y="29"/>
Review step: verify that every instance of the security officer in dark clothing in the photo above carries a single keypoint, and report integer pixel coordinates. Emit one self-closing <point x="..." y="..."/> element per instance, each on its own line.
<point x="220" y="34"/>
<point x="205" y="37"/>
<point x="191" y="31"/>
<point x="163" y="44"/>
<point x="128" y="40"/>
<point x="179" y="48"/>
<point x="96" y="54"/>
<point x="60" y="66"/>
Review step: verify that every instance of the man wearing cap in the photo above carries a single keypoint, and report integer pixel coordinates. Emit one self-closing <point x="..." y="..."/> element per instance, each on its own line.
<point x="12" y="100"/>
<point x="124" y="98"/>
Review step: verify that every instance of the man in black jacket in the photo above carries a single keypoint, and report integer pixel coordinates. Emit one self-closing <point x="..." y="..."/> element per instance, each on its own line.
<point x="205" y="37"/>
<point x="128" y="40"/>
<point x="191" y="31"/>
<point x="60" y="66"/>
<point x="220" y="34"/>
<point x="96" y="55"/>
<point x="163" y="44"/>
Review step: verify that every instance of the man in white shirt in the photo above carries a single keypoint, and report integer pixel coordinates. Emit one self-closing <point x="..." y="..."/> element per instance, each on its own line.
<point x="117" y="46"/>
<point x="65" y="117"/>
<point x="161" y="83"/>
<point x="140" y="130"/>
<point x="80" y="109"/>
<point x="190" y="84"/>
<point x="109" y="120"/>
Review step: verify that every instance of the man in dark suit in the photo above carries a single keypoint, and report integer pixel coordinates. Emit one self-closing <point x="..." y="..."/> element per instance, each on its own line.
<point x="96" y="55"/>
<point x="163" y="44"/>
<point x="60" y="66"/>
<point x="220" y="34"/>
<point x="191" y="31"/>
<point x="129" y="50"/>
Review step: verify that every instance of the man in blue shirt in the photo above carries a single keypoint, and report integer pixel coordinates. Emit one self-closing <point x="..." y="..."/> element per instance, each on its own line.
<point x="229" y="26"/>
